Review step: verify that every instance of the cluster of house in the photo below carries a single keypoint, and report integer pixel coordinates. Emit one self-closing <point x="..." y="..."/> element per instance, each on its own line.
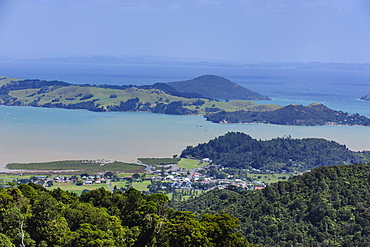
<point x="95" y="179"/>
<point x="179" y="179"/>
<point x="40" y="180"/>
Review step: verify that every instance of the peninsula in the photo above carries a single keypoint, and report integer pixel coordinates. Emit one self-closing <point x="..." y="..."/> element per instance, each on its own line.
<point x="217" y="98"/>
<point x="311" y="115"/>
<point x="199" y="98"/>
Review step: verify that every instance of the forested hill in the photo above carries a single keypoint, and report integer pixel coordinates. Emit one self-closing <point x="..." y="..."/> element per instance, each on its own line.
<point x="314" y="114"/>
<point x="240" y="150"/>
<point x="30" y="215"/>
<point x="157" y="98"/>
<point x="326" y="207"/>
<point x="216" y="87"/>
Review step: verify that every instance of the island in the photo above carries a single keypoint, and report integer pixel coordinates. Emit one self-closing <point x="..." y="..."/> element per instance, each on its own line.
<point x="366" y="97"/>
<point x="156" y="98"/>
<point x="215" y="97"/>
<point x="298" y="115"/>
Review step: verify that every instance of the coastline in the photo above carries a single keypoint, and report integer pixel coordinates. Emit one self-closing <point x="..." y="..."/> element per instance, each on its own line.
<point x="82" y="136"/>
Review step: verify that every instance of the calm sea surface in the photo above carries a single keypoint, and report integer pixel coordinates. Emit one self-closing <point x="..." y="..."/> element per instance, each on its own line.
<point x="37" y="134"/>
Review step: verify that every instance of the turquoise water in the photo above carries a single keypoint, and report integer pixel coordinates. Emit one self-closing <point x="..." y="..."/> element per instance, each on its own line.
<point x="38" y="134"/>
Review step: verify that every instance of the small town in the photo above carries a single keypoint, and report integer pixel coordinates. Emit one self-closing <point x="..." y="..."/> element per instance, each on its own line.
<point x="171" y="179"/>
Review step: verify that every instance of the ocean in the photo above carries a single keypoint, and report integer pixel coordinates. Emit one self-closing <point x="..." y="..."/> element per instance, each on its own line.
<point x="39" y="134"/>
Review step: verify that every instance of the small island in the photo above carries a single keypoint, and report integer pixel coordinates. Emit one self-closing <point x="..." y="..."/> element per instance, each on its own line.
<point x="298" y="115"/>
<point x="366" y="97"/>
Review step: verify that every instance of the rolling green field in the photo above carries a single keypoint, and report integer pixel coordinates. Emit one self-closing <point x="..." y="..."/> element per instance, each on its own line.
<point x="141" y="185"/>
<point x="104" y="97"/>
<point x="159" y="161"/>
<point x="5" y="80"/>
<point x="11" y="177"/>
<point x="270" y="178"/>
<point x="190" y="164"/>
<point x="71" y="187"/>
<point x="78" y="166"/>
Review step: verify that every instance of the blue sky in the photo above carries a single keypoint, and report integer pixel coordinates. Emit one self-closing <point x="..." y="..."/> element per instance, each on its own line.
<point x="225" y="30"/>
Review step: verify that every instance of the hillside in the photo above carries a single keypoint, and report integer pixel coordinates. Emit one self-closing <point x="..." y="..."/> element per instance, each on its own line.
<point x="311" y="115"/>
<point x="57" y="94"/>
<point x="216" y="87"/>
<point x="239" y="150"/>
<point x="325" y="207"/>
<point x="30" y="215"/>
<point x="366" y="97"/>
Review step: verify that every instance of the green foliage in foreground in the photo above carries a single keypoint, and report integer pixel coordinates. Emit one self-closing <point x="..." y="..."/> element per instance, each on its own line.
<point x="326" y="207"/>
<point x="78" y="165"/>
<point x="240" y="150"/>
<point x="32" y="216"/>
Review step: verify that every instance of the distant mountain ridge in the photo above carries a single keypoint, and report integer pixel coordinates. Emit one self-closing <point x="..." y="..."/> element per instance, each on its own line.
<point x="216" y="87"/>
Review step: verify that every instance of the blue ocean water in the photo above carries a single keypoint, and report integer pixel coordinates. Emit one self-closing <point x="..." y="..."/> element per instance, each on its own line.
<point x="338" y="89"/>
<point x="30" y="134"/>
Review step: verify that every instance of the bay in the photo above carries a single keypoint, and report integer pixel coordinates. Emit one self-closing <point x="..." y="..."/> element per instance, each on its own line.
<point x="31" y="134"/>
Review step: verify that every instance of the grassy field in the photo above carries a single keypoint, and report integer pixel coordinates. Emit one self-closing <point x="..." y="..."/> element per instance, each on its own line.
<point x="190" y="164"/>
<point x="78" y="165"/>
<point x="270" y="178"/>
<point x="159" y="161"/>
<point x="141" y="185"/>
<point x="77" y="189"/>
<point x="75" y="94"/>
<point x="11" y="177"/>
<point x="236" y="105"/>
<point x="5" y="80"/>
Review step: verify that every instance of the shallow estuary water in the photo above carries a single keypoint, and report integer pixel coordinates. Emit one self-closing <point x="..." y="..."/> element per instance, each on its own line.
<point x="30" y="134"/>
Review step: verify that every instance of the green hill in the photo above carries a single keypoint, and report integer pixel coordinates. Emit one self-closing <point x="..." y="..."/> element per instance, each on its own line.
<point x="239" y="150"/>
<point x="57" y="94"/>
<point x="216" y="87"/>
<point x="314" y="114"/>
<point x="30" y="215"/>
<point x="326" y="207"/>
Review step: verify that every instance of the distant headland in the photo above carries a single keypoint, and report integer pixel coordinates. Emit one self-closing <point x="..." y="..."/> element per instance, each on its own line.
<point x="366" y="97"/>
<point x="218" y="99"/>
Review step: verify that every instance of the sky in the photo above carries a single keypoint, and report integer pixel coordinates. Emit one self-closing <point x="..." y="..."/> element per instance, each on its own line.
<point x="214" y="30"/>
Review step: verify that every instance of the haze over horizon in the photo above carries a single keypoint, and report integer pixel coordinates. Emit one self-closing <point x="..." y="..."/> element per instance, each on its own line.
<point x="218" y="30"/>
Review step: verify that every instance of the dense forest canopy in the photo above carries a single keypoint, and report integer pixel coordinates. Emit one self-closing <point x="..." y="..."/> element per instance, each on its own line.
<point x="311" y="115"/>
<point x="326" y="207"/>
<point x="240" y="150"/>
<point x="32" y="216"/>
